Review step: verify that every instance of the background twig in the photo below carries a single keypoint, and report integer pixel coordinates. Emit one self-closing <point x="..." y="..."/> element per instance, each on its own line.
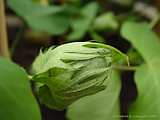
<point x="4" y="51"/>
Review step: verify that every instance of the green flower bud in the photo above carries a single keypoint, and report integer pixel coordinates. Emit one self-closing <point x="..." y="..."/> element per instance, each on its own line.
<point x="71" y="71"/>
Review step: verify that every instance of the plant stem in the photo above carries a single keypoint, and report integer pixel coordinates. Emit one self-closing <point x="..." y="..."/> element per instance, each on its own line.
<point x="154" y="22"/>
<point x="125" y="68"/>
<point x="17" y="39"/>
<point x="4" y="51"/>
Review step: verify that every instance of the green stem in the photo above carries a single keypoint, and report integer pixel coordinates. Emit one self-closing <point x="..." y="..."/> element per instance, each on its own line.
<point x="125" y="68"/>
<point x="4" y="51"/>
<point x="16" y="40"/>
<point x="154" y="22"/>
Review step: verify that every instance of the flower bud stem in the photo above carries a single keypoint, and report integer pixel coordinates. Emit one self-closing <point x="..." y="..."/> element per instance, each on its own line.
<point x="125" y="68"/>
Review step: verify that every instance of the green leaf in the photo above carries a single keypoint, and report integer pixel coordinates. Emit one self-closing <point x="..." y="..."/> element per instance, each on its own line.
<point x="28" y="8"/>
<point x="147" y="104"/>
<point x="56" y="24"/>
<point x="16" y="99"/>
<point x="50" y="19"/>
<point x="147" y="44"/>
<point x="42" y="2"/>
<point x="96" y="37"/>
<point x="143" y="39"/>
<point x="101" y="106"/>
<point x="106" y="21"/>
<point x="82" y="24"/>
<point x="123" y="2"/>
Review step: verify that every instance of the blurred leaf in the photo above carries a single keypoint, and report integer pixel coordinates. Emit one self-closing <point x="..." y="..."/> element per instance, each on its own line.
<point x="96" y="37"/>
<point x="73" y="1"/>
<point x="16" y="99"/>
<point x="81" y="24"/>
<point x="147" y="104"/>
<point x="144" y="40"/>
<point x="55" y="24"/>
<point x="50" y="19"/>
<point x="42" y="2"/>
<point x="106" y="21"/>
<point x="147" y="77"/>
<point x="123" y="2"/>
<point x="29" y="8"/>
<point x="101" y="106"/>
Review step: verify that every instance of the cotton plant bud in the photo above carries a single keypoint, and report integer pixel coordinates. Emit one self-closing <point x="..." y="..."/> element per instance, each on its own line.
<point x="71" y="71"/>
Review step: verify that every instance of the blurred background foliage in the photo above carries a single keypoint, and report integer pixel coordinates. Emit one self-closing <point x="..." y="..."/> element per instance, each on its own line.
<point x="76" y="20"/>
<point x="35" y="24"/>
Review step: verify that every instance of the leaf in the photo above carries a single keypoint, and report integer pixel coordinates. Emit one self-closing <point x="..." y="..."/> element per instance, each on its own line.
<point x="122" y="2"/>
<point x="16" y="99"/>
<point x="147" y="104"/>
<point x="82" y="24"/>
<point x="96" y="37"/>
<point x="28" y="8"/>
<point x="143" y="39"/>
<point x="56" y="24"/>
<point x="50" y="19"/>
<point x="106" y="21"/>
<point x="101" y="106"/>
<point x="148" y="45"/>
<point x="42" y="2"/>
